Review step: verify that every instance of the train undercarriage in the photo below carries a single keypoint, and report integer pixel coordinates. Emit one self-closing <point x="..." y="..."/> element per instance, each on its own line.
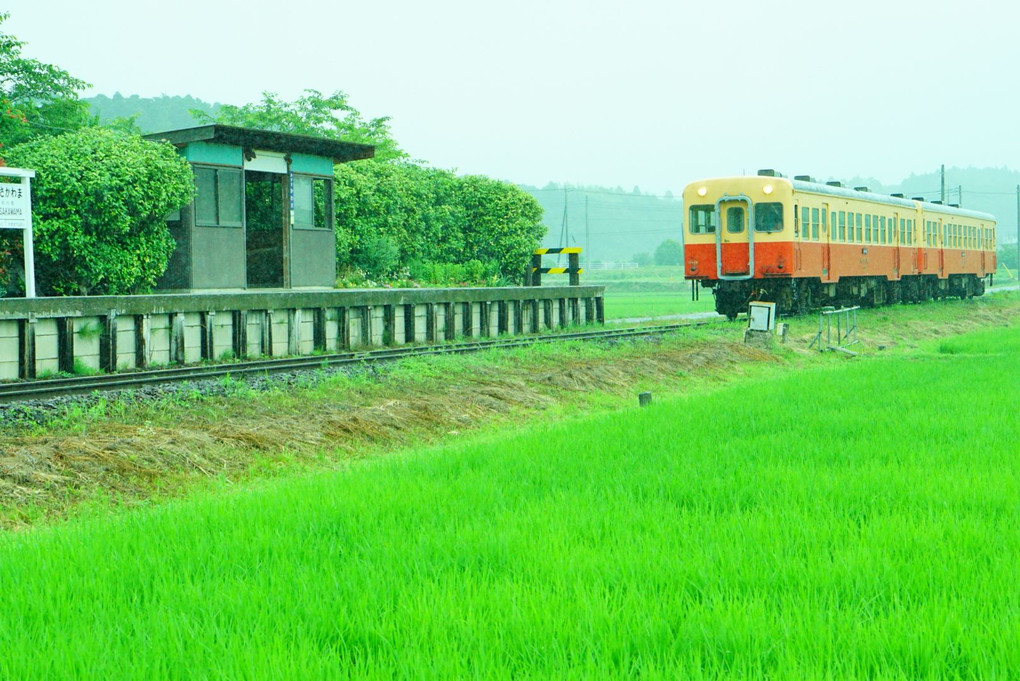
<point x="801" y="295"/>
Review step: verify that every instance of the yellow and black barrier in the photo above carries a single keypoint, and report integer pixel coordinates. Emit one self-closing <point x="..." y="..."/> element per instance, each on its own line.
<point x="533" y="275"/>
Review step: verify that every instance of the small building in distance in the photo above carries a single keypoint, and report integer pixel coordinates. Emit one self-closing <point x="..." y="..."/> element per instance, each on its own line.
<point x="263" y="213"/>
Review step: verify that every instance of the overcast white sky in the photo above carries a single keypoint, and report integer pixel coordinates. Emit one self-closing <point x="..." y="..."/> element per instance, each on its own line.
<point x="645" y="92"/>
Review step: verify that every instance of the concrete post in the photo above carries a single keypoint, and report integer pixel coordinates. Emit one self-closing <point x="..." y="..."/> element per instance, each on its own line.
<point x="143" y="340"/>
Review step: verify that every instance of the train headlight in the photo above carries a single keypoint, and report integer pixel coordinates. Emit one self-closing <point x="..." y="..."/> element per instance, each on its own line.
<point x="702" y="191"/>
<point x="767" y="189"/>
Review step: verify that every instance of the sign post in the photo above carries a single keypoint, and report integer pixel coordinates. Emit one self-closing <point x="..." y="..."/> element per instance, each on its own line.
<point x="16" y="213"/>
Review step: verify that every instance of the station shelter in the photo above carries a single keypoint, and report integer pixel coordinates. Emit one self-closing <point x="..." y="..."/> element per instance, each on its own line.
<point x="263" y="213"/>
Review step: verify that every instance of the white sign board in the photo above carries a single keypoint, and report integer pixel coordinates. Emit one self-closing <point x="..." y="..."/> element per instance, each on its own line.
<point x="15" y="206"/>
<point x="16" y="213"/>
<point x="761" y="316"/>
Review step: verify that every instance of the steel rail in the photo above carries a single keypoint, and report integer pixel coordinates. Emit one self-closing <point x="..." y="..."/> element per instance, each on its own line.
<point x="33" y="389"/>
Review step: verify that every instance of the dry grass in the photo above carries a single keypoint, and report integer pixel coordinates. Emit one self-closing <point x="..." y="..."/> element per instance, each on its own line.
<point x="139" y="455"/>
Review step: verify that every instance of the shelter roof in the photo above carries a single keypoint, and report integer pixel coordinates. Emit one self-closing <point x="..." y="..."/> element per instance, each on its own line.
<point x="268" y="140"/>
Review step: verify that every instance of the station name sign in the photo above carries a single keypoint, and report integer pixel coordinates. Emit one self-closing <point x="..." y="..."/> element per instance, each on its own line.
<point x="15" y="206"/>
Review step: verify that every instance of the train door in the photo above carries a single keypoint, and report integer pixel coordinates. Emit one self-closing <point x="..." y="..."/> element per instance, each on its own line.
<point x="801" y="221"/>
<point x="894" y="239"/>
<point x="940" y="240"/>
<point x="735" y="249"/>
<point x="981" y="246"/>
<point x="826" y="236"/>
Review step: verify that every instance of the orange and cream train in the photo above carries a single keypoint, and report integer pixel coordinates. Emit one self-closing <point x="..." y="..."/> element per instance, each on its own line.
<point x="802" y="244"/>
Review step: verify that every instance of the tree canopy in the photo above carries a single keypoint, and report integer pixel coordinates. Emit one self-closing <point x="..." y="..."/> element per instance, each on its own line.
<point x="100" y="202"/>
<point x="35" y="98"/>
<point x="669" y="252"/>
<point x="398" y="216"/>
<point x="329" y="116"/>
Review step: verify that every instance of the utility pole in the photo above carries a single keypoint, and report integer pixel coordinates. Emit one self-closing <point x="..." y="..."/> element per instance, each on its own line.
<point x="943" y="184"/>
<point x="564" y="228"/>
<point x="587" y="235"/>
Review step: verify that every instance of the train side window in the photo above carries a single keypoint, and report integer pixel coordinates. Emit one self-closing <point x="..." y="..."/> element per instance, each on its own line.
<point x="805" y="222"/>
<point x="842" y="226"/>
<point x="860" y="227"/>
<point x="702" y="219"/>
<point x="832" y="226"/>
<point x="867" y="228"/>
<point x="825" y="221"/>
<point x="814" y="223"/>
<point x="881" y="229"/>
<point x="735" y="220"/>
<point x="768" y="217"/>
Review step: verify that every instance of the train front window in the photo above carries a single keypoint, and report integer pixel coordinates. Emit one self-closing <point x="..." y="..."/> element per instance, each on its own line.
<point x="735" y="220"/>
<point x="768" y="217"/>
<point x="703" y="219"/>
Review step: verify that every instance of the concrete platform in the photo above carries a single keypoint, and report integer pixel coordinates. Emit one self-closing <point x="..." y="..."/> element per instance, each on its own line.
<point x="44" y="336"/>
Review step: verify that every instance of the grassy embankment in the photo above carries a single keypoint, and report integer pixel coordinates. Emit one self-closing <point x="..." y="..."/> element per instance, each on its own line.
<point x="853" y="519"/>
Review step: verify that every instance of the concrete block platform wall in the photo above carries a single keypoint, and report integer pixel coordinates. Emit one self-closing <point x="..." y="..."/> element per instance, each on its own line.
<point x="45" y="336"/>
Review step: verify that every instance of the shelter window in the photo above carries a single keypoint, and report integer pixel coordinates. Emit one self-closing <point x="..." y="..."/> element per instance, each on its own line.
<point x="768" y="217"/>
<point x="313" y="202"/>
<point x="702" y="219"/>
<point x="218" y="197"/>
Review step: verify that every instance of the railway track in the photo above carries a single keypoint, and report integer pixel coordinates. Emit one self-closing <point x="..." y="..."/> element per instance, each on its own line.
<point x="22" y="391"/>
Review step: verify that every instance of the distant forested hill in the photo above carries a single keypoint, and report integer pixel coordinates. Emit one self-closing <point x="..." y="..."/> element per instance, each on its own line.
<point x="990" y="190"/>
<point x="612" y="224"/>
<point x="155" y="114"/>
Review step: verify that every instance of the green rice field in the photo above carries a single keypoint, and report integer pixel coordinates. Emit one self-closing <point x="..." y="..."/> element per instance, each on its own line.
<point x="855" y="519"/>
<point x="625" y="305"/>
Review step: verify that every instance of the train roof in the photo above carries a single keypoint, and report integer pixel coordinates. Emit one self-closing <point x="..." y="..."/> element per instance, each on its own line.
<point x="848" y="193"/>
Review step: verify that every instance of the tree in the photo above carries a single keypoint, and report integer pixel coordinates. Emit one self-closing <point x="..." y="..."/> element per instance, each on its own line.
<point x="313" y="113"/>
<point x="35" y="98"/>
<point x="669" y="252"/>
<point x="503" y="224"/>
<point x="100" y="202"/>
<point x="392" y="212"/>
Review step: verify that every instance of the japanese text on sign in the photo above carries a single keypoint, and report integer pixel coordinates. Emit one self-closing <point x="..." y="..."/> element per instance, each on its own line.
<point x="14" y="206"/>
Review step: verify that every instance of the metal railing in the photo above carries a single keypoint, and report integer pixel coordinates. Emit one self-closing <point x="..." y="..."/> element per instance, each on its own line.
<point x="846" y="329"/>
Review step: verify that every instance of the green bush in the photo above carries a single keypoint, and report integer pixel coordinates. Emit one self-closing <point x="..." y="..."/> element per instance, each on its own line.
<point x="470" y="273"/>
<point x="100" y="201"/>
<point x="377" y="256"/>
<point x="433" y="216"/>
